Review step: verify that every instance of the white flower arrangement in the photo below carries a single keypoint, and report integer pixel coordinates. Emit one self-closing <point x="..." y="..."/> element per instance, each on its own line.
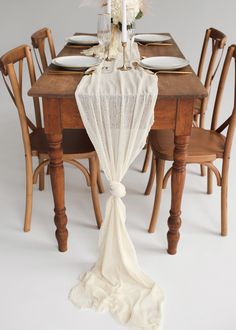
<point x="135" y="9"/>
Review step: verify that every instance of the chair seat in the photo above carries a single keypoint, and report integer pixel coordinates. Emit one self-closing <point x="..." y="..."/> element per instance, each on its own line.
<point x="204" y="145"/>
<point x="75" y="141"/>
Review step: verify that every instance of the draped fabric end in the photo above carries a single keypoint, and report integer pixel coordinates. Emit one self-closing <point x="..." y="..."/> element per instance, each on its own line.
<point x="128" y="304"/>
<point x="117" y="110"/>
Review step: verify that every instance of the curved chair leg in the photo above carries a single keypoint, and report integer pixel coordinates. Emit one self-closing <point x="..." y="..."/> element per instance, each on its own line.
<point x="209" y="181"/>
<point x="38" y="169"/>
<point x="157" y="201"/>
<point x="41" y="175"/>
<point x="99" y="178"/>
<point x="29" y="194"/>
<point x="151" y="177"/>
<point x="202" y="125"/>
<point x="224" y="224"/>
<point x="94" y="190"/>
<point x="202" y="170"/>
<point x="81" y="167"/>
<point x="224" y="193"/>
<point x="166" y="178"/>
<point x="147" y="157"/>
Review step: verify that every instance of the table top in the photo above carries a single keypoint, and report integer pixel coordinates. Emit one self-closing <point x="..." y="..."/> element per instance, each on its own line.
<point x="169" y="85"/>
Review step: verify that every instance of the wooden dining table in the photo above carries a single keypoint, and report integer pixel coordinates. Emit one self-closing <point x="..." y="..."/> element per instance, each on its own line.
<point x="174" y="110"/>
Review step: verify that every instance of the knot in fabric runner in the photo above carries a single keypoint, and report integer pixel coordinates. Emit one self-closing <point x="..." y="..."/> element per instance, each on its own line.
<point x="117" y="189"/>
<point x="117" y="110"/>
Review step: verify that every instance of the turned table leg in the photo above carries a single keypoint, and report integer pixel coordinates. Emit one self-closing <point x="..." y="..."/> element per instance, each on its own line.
<point x="57" y="182"/>
<point x="53" y="130"/>
<point x="177" y="187"/>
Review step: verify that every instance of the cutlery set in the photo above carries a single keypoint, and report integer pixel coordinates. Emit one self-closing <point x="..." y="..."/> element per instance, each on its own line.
<point x="136" y="65"/>
<point x="88" y="72"/>
<point x="78" y="46"/>
<point x="174" y="72"/>
<point x="154" y="44"/>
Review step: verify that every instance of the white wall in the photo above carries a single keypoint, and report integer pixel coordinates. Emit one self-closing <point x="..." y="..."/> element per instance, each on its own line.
<point x="185" y="19"/>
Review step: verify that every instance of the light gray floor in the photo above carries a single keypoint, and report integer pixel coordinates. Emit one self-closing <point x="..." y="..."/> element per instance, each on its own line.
<point x="199" y="282"/>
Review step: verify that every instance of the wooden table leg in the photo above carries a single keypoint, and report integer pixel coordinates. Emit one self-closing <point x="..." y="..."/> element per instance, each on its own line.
<point x="57" y="182"/>
<point x="51" y="108"/>
<point x="182" y="136"/>
<point x="177" y="187"/>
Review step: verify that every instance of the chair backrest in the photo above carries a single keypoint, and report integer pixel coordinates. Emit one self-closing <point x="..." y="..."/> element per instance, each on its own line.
<point x="38" y="41"/>
<point x="14" y="84"/>
<point x="217" y="39"/>
<point x="230" y="122"/>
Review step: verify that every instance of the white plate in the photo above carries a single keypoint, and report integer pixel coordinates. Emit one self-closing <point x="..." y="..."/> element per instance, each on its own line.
<point x="151" y="37"/>
<point x="83" y="40"/>
<point x="76" y="62"/>
<point x="164" y="63"/>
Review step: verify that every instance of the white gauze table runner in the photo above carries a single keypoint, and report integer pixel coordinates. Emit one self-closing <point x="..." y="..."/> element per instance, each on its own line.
<point x="117" y="110"/>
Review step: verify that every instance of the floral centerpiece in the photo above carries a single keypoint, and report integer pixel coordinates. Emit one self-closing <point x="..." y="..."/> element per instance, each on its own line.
<point x="135" y="10"/>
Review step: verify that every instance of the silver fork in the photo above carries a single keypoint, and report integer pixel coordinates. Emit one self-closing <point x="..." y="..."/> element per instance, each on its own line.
<point x="154" y="44"/>
<point x="136" y="65"/>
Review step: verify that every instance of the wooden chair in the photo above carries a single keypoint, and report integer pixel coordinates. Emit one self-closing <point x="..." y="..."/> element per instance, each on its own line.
<point x="76" y="143"/>
<point x="204" y="148"/>
<point x="38" y="40"/>
<point x="209" y="62"/>
<point x="217" y="40"/>
<point x="147" y="158"/>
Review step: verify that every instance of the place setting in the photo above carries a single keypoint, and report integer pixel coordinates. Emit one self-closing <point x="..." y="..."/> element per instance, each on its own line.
<point x="163" y="64"/>
<point x="82" y="41"/>
<point x="76" y="64"/>
<point x="94" y="51"/>
<point x="119" y="44"/>
<point x="153" y="40"/>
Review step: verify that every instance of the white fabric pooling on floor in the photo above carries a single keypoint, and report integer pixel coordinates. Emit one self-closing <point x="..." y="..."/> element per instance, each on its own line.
<point x="117" y="110"/>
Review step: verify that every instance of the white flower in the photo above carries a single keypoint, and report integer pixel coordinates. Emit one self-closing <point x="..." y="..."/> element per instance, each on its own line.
<point x="133" y="8"/>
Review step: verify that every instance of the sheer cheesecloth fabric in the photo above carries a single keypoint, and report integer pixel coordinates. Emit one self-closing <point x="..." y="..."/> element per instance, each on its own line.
<point x="117" y="110"/>
<point x="115" y="47"/>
